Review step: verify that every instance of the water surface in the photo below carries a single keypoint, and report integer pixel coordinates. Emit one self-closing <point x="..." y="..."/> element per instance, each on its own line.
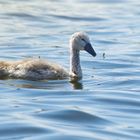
<point x="105" y="104"/>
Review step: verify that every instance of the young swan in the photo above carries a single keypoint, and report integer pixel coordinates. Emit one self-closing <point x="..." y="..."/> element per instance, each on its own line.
<point x="37" y="69"/>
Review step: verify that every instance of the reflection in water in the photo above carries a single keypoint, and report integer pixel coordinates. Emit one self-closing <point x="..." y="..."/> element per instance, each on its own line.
<point x="44" y="84"/>
<point x="20" y="83"/>
<point x="77" y="84"/>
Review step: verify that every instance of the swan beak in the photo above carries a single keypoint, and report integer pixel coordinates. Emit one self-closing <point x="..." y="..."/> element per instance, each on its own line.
<point x="89" y="49"/>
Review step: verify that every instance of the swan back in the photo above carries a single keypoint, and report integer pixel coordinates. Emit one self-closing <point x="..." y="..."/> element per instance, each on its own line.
<point x="38" y="69"/>
<point x="33" y="69"/>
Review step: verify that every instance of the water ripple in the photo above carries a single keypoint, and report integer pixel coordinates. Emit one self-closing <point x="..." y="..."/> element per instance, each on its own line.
<point x="74" y="117"/>
<point x="72" y="18"/>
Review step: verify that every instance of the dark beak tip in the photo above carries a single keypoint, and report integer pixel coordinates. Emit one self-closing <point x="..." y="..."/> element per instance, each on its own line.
<point x="95" y="55"/>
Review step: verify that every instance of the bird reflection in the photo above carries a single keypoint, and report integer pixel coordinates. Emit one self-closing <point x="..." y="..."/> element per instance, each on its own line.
<point x="76" y="84"/>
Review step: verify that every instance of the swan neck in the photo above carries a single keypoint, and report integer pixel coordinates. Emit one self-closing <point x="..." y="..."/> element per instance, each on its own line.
<point x="75" y="68"/>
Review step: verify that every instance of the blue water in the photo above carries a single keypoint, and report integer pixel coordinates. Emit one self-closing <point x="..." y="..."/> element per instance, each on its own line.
<point x="105" y="104"/>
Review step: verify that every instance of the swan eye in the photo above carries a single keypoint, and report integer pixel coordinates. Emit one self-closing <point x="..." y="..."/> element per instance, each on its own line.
<point x="83" y="39"/>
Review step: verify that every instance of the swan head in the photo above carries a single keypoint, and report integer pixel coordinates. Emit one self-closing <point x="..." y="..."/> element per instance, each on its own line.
<point x="80" y="41"/>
